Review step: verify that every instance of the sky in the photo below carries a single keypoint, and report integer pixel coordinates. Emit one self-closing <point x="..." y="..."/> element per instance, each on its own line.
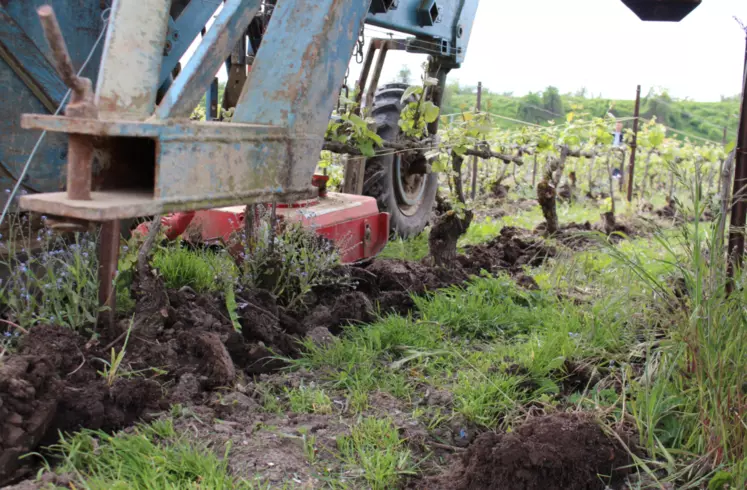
<point x="522" y="46"/>
<point x="525" y="45"/>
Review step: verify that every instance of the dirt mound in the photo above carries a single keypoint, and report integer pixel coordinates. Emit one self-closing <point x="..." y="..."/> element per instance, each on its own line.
<point x="499" y="191"/>
<point x="513" y="249"/>
<point x="556" y="452"/>
<point x="52" y="385"/>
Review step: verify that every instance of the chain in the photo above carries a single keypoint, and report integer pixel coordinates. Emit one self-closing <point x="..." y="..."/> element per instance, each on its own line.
<point x="359" y="46"/>
<point x="344" y="89"/>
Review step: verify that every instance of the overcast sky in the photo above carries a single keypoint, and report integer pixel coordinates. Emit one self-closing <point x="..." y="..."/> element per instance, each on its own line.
<point x="525" y="45"/>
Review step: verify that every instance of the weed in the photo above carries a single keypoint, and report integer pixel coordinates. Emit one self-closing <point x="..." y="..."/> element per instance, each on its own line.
<point x="305" y="399"/>
<point x="54" y="281"/>
<point x="111" y="371"/>
<point x="149" y="457"/>
<point x="484" y="399"/>
<point x="481" y="232"/>
<point x="202" y="270"/>
<point x="415" y="248"/>
<point x="691" y="399"/>
<point x="290" y="264"/>
<point x="309" y="446"/>
<point x="375" y="452"/>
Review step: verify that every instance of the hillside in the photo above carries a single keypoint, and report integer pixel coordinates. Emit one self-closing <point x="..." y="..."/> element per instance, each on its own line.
<point x="697" y="119"/>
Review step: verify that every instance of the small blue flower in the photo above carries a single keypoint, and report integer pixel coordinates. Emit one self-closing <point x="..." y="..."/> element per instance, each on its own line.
<point x="125" y="248"/>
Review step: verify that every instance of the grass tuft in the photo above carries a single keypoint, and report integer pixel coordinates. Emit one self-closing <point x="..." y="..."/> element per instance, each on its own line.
<point x="150" y="456"/>
<point x="375" y="453"/>
<point x="202" y="270"/>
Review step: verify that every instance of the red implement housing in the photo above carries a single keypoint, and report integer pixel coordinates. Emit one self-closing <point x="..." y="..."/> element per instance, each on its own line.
<point x="353" y="223"/>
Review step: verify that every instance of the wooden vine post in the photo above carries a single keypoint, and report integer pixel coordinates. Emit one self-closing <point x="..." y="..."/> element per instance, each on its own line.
<point x="739" y="200"/>
<point x="474" y="158"/>
<point x="634" y="144"/>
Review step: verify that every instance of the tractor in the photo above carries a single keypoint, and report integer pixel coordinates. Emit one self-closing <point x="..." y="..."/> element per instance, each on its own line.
<point x="95" y="124"/>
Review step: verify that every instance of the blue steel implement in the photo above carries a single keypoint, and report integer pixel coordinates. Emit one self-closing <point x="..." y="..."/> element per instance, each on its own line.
<point x="128" y="148"/>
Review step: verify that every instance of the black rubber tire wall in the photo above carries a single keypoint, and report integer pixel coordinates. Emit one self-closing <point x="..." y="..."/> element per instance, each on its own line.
<point x="379" y="177"/>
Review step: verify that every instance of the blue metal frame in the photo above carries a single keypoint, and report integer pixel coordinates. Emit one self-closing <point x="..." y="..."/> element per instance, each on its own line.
<point x="187" y="90"/>
<point x="183" y="31"/>
<point x="292" y="90"/>
<point x="446" y="37"/>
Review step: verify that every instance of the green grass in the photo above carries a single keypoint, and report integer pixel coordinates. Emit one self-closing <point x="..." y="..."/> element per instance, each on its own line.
<point x="152" y="457"/>
<point x="305" y="399"/>
<point x="406" y="249"/>
<point x="375" y="450"/>
<point x="56" y="283"/>
<point x="202" y="270"/>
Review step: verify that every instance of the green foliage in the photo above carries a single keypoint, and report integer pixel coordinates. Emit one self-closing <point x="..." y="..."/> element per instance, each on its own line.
<point x="415" y="248"/>
<point x="292" y="263"/>
<point x="418" y="111"/>
<point x="111" y="371"/>
<point x="54" y="281"/>
<point x="354" y="130"/>
<point x="375" y="448"/>
<point x="152" y="457"/>
<point x="330" y="164"/>
<point x="202" y="270"/>
<point x="699" y="119"/>
<point x="306" y="399"/>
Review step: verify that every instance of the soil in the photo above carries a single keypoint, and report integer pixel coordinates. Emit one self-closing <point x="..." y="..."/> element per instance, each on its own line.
<point x="51" y="385"/>
<point x="510" y="251"/>
<point x="183" y="348"/>
<point x="499" y="191"/>
<point x="552" y="452"/>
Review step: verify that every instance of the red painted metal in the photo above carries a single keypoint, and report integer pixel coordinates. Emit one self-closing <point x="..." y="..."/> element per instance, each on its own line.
<point x="352" y="222"/>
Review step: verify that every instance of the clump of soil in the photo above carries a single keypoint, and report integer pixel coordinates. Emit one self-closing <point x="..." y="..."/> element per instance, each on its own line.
<point x="554" y="452"/>
<point x="499" y="191"/>
<point x="52" y="385"/>
<point x="513" y="249"/>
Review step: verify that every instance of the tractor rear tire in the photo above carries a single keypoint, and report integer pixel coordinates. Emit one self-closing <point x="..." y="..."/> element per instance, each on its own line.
<point x="401" y="183"/>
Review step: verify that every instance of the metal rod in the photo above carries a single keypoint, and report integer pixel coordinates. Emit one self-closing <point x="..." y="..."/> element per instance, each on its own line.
<point x="60" y="54"/>
<point x="108" y="260"/>
<point x="80" y="148"/>
<point x="79" y="167"/>
<point x="739" y="200"/>
<point x="634" y="144"/>
<point x="377" y="74"/>
<point x="363" y="79"/>
<point x="211" y="102"/>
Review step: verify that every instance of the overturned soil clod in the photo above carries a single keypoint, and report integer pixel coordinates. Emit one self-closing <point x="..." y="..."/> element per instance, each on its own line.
<point x="554" y="452"/>
<point x="513" y="249"/>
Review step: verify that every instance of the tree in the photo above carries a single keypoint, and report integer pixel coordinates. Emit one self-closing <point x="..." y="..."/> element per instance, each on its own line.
<point x="659" y="105"/>
<point x="553" y="102"/>
<point x="531" y="110"/>
<point x="404" y="75"/>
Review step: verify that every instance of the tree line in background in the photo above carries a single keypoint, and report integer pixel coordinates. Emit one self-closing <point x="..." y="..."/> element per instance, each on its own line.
<point x="696" y="119"/>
